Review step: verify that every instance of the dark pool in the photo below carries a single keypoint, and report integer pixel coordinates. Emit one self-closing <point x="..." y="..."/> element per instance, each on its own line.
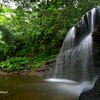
<point x="20" y="87"/>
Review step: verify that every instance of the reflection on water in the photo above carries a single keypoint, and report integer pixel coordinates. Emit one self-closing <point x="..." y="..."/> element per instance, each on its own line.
<point x="34" y="88"/>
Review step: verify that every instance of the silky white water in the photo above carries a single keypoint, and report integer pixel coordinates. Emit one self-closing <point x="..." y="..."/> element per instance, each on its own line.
<point x="75" y="60"/>
<point x="71" y="87"/>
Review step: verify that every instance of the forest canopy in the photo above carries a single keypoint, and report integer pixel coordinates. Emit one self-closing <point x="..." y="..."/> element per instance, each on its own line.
<point x="32" y="31"/>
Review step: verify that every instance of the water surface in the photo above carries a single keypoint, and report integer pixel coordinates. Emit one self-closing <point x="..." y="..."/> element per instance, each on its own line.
<point x="20" y="87"/>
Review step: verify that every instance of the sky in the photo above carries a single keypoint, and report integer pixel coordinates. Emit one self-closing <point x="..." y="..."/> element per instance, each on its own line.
<point x="11" y="3"/>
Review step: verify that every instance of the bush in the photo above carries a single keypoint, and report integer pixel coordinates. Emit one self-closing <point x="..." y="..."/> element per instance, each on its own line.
<point x="41" y="59"/>
<point x="14" y="63"/>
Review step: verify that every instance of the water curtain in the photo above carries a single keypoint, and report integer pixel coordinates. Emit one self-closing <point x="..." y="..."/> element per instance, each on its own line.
<point x="75" y="60"/>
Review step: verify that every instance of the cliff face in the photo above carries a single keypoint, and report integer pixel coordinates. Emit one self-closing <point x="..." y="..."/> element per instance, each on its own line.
<point x="96" y="36"/>
<point x="96" y="52"/>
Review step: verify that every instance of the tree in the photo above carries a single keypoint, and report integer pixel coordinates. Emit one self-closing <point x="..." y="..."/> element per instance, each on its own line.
<point x="36" y="28"/>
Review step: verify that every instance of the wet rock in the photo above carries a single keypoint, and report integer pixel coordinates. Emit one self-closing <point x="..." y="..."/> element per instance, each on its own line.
<point x="93" y="94"/>
<point x="96" y="36"/>
<point x="96" y="52"/>
<point x="47" y="69"/>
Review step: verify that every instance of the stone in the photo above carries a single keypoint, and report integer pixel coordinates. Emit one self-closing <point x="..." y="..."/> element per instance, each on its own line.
<point x="93" y="94"/>
<point x="96" y="36"/>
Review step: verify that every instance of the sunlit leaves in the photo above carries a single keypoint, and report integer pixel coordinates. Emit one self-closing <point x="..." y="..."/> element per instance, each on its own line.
<point x="3" y="19"/>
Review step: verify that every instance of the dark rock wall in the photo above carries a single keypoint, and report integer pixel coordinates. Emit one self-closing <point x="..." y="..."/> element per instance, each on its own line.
<point x="96" y="49"/>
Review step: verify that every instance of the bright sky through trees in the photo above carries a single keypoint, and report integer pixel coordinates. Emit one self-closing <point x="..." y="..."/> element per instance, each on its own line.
<point x="10" y="3"/>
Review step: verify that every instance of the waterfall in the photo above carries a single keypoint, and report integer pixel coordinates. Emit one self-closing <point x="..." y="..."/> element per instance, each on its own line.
<point x="75" y="60"/>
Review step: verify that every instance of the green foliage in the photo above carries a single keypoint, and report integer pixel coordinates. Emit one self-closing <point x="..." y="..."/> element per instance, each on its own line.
<point x="36" y="30"/>
<point x="14" y="63"/>
<point x="41" y="59"/>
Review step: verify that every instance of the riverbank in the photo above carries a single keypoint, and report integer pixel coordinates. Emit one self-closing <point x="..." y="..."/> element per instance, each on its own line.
<point x="45" y="70"/>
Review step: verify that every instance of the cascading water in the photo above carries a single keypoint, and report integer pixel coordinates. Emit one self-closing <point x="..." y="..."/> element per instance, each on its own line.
<point x="75" y="60"/>
<point x="65" y="53"/>
<point x="74" y="63"/>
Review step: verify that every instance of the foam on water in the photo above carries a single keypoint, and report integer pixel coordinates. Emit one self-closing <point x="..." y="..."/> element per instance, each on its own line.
<point x="60" y="80"/>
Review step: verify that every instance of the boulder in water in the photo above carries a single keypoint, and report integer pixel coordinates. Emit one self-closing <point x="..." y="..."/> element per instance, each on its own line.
<point x="93" y="94"/>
